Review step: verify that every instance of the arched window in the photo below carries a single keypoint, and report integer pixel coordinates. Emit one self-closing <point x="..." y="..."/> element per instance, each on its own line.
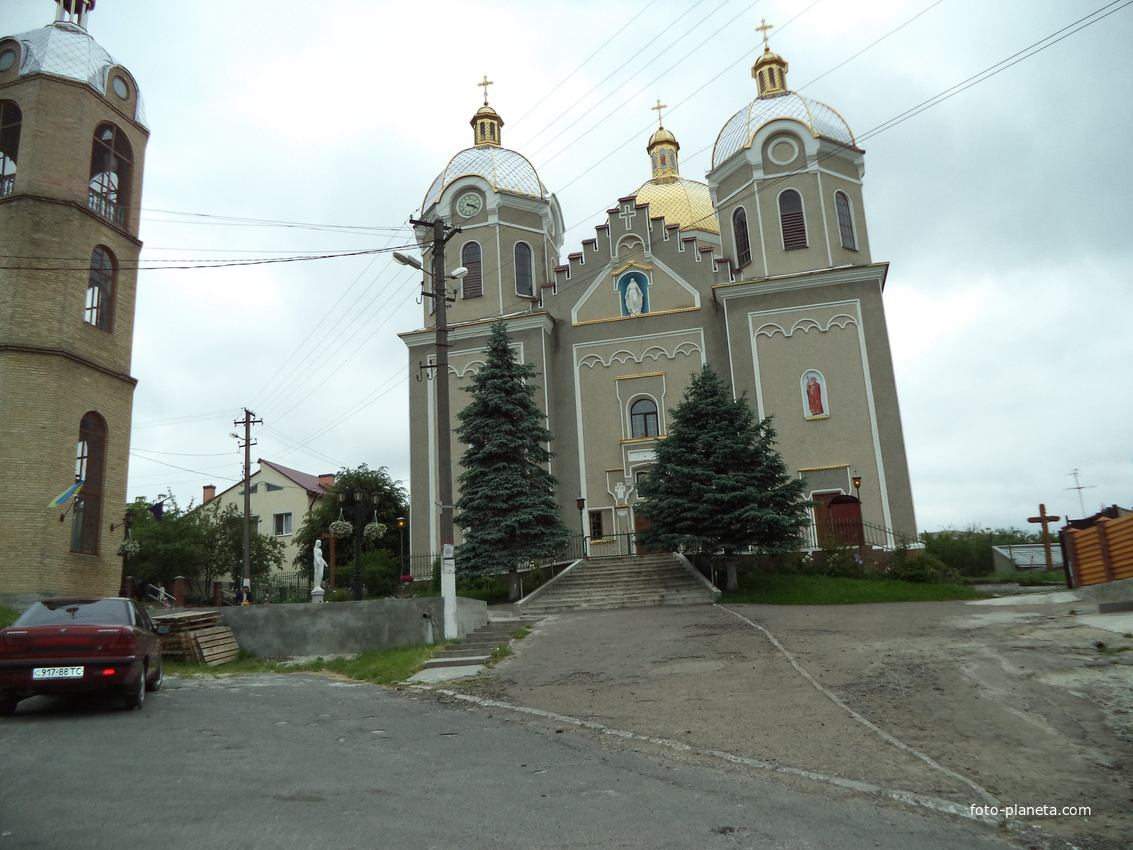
<point x="110" y="163"/>
<point x="643" y="420"/>
<point x="100" y="289"/>
<point x="90" y="464"/>
<point x="10" y="120"/>
<point x="474" y="280"/>
<point x="524" y="276"/>
<point x="791" y="220"/>
<point x="739" y="233"/>
<point x="845" y="221"/>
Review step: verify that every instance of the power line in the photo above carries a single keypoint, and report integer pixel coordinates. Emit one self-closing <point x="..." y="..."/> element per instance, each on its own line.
<point x="880" y="128"/>
<point x="217" y="264"/>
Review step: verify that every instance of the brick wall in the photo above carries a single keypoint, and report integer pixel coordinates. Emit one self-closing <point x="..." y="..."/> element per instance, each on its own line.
<point x="54" y="366"/>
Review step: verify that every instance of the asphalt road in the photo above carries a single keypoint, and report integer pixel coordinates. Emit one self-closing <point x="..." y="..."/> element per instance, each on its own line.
<point x="299" y="761"/>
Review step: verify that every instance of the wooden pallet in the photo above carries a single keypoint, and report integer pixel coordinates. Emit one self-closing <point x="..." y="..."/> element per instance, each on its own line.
<point x="214" y="646"/>
<point x="178" y="642"/>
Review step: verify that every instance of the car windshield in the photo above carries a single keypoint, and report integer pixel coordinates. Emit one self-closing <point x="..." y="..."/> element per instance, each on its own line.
<point x="97" y="612"/>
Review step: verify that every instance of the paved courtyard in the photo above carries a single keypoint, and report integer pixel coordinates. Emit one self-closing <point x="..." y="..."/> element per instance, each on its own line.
<point x="932" y="706"/>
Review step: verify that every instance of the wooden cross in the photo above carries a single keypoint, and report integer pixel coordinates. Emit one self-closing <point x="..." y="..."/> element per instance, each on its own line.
<point x="658" y="109"/>
<point x="763" y="29"/>
<point x="485" y="84"/>
<point x="1046" y="521"/>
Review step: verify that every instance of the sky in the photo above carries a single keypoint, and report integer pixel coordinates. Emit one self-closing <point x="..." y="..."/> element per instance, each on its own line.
<point x="998" y="186"/>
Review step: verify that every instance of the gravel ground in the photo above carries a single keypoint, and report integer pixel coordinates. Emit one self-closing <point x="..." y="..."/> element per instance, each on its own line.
<point x="940" y="706"/>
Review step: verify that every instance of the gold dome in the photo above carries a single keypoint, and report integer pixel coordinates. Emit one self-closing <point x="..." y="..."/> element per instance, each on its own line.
<point x="680" y="201"/>
<point x="662" y="135"/>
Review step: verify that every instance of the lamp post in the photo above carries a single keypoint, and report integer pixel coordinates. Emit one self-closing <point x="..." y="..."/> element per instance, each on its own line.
<point x="362" y="502"/>
<point x="581" y="503"/>
<point x="444" y="436"/>
<point x="401" y="534"/>
<point x="127" y="521"/>
<point x="857" y="481"/>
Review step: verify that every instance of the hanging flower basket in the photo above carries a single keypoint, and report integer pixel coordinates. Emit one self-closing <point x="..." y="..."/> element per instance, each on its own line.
<point x="374" y="530"/>
<point x="341" y="528"/>
<point x="129" y="547"/>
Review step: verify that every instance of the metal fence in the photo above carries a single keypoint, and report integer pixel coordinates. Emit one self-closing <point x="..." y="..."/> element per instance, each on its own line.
<point x="853" y="532"/>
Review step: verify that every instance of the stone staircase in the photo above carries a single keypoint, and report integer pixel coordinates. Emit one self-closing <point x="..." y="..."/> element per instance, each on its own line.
<point x="477" y="647"/>
<point x="623" y="582"/>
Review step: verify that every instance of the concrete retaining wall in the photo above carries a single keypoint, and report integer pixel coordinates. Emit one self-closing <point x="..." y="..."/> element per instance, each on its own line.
<point x="1111" y="591"/>
<point x="343" y="628"/>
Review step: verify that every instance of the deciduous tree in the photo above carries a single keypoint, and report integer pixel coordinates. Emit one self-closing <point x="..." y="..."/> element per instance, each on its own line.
<point x="393" y="502"/>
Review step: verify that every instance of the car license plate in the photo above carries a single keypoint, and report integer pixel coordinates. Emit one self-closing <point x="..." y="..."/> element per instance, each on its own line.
<point x="57" y="673"/>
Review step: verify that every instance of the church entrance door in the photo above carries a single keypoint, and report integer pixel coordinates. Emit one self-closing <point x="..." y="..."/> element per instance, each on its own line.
<point x="838" y="519"/>
<point x="640" y="524"/>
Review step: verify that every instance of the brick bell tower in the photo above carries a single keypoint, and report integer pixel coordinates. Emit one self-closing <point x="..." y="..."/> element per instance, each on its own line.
<point x="72" y="145"/>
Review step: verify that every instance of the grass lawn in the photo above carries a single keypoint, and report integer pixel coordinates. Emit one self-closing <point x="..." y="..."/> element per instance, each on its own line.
<point x="826" y="590"/>
<point x="8" y="616"/>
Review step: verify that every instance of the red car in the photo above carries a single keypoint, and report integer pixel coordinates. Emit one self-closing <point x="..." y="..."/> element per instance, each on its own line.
<point x="82" y="644"/>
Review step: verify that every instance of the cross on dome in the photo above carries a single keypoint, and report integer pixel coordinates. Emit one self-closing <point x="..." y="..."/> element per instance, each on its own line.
<point x="763" y="28"/>
<point x="662" y="148"/>
<point x="485" y="85"/>
<point x="487" y="125"/>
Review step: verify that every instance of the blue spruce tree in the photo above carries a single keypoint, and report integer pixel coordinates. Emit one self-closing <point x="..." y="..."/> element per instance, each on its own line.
<point x="507" y="509"/>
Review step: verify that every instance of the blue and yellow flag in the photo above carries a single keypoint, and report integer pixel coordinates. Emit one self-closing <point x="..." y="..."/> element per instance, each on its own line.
<point x="65" y="495"/>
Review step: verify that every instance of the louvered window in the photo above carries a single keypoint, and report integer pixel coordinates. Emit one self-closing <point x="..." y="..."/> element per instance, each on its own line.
<point x="524" y="276"/>
<point x="474" y="280"/>
<point x="739" y="233"/>
<point x="845" y="221"/>
<point x="791" y="220"/>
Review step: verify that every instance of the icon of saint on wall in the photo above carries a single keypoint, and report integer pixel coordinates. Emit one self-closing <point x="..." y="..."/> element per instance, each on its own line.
<point x="814" y="392"/>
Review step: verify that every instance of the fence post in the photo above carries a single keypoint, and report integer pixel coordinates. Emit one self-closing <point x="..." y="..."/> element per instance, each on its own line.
<point x="1102" y="528"/>
<point x="218" y="593"/>
<point x="180" y="587"/>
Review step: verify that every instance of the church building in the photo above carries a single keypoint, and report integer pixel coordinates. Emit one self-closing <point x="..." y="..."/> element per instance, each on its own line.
<point x="72" y="143"/>
<point x="764" y="273"/>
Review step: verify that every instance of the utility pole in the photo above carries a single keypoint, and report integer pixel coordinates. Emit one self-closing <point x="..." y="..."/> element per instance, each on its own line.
<point x="248" y="421"/>
<point x="444" y="437"/>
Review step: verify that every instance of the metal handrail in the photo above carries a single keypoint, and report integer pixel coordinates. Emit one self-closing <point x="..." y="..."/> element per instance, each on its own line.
<point x="160" y="595"/>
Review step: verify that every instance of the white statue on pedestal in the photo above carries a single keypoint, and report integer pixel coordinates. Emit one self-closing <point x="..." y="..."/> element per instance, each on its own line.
<point x="320" y="564"/>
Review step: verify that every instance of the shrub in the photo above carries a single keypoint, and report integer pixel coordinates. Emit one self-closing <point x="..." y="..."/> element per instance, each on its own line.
<point x="921" y="568"/>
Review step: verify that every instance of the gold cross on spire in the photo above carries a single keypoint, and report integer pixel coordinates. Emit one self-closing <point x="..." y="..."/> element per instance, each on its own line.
<point x="761" y="29"/>
<point x="485" y="84"/>
<point x="658" y="109"/>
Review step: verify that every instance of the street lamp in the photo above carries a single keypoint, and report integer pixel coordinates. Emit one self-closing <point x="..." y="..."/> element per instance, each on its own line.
<point x="857" y="481"/>
<point x="413" y="263"/>
<point x="444" y="428"/>
<point x="401" y="534"/>
<point x="361" y="508"/>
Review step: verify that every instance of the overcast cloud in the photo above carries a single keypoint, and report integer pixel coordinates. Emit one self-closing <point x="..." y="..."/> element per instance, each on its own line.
<point x="1005" y="210"/>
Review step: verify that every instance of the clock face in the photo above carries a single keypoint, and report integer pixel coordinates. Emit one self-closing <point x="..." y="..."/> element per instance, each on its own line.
<point x="468" y="205"/>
